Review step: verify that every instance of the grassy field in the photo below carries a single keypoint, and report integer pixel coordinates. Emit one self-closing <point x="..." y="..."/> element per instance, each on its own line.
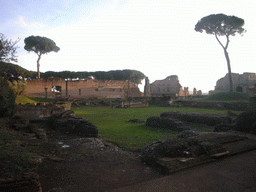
<point x="228" y="96"/>
<point x="114" y="125"/>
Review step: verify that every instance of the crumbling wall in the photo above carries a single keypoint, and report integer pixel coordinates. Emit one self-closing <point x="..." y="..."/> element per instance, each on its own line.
<point x="40" y="110"/>
<point x="245" y="81"/>
<point x="169" y="86"/>
<point x="90" y="88"/>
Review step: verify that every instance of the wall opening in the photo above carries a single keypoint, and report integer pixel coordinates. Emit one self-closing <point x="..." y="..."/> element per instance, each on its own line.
<point x="56" y="91"/>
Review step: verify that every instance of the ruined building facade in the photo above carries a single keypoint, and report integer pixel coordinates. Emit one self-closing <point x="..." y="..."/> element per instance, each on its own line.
<point x="245" y="82"/>
<point x="90" y="88"/>
<point x="169" y="86"/>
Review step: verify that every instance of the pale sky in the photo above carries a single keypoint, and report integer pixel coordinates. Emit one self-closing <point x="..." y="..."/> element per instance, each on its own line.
<point x="156" y="37"/>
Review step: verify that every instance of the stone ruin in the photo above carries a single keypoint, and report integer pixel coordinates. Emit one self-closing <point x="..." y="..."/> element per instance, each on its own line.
<point x="166" y="123"/>
<point x="167" y="86"/>
<point x="40" y="110"/>
<point x="195" y="117"/>
<point x="67" y="122"/>
<point x="242" y="82"/>
<point x="58" y="117"/>
<point x="88" y="88"/>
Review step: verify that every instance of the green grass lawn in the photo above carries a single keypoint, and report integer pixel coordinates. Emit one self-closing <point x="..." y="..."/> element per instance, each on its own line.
<point x="113" y="124"/>
<point x="228" y="96"/>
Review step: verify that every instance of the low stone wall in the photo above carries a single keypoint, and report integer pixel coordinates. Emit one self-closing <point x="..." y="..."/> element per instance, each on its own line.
<point x="40" y="110"/>
<point x="195" y="117"/>
<point x="236" y="106"/>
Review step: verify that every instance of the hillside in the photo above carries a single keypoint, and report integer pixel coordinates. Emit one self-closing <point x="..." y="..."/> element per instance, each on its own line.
<point x="126" y="74"/>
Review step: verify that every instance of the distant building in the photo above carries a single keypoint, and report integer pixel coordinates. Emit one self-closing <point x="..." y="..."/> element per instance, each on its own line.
<point x="89" y="88"/>
<point x="245" y="83"/>
<point x="169" y="86"/>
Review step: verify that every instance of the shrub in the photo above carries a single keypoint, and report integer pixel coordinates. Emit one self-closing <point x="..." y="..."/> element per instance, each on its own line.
<point x="7" y="98"/>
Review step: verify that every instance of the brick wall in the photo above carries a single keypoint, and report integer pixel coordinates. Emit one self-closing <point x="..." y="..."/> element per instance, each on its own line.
<point x="82" y="88"/>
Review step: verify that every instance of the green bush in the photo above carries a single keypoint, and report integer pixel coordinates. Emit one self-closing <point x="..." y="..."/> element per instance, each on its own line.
<point x="7" y="98"/>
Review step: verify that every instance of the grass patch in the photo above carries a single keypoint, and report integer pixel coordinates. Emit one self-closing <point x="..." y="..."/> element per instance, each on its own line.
<point x="228" y="96"/>
<point x="14" y="158"/>
<point x="113" y="124"/>
<point x="24" y="99"/>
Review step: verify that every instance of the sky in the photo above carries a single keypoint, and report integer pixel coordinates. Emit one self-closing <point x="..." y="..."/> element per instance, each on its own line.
<point x="156" y="37"/>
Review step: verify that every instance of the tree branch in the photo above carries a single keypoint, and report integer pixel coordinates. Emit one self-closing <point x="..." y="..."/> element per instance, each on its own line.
<point x="219" y="41"/>
<point x="227" y="42"/>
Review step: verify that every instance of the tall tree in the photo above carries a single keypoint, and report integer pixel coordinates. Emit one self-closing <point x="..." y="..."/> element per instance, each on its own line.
<point x="222" y="25"/>
<point x="40" y="45"/>
<point x="8" y="49"/>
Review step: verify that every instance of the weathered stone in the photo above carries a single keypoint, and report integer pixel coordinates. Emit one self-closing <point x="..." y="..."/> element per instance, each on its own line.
<point x="244" y="81"/>
<point x="167" y="123"/>
<point x="20" y="123"/>
<point x="89" y="88"/>
<point x="203" y="145"/>
<point x="40" y="110"/>
<point x="68" y="123"/>
<point x="173" y="114"/>
<point x="223" y="127"/>
<point x="169" y="148"/>
<point x="136" y="121"/>
<point x="195" y="117"/>
<point x="168" y="86"/>
<point x="93" y="143"/>
<point x="188" y="133"/>
<point x="245" y="122"/>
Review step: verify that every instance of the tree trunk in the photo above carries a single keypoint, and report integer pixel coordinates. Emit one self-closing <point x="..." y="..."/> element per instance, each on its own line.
<point x="38" y="66"/>
<point x="228" y="60"/>
<point x="229" y="71"/>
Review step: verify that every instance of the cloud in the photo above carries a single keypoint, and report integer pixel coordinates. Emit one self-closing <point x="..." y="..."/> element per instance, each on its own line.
<point x="20" y="22"/>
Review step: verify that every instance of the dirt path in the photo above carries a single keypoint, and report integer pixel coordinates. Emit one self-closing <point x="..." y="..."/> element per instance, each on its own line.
<point x="74" y="164"/>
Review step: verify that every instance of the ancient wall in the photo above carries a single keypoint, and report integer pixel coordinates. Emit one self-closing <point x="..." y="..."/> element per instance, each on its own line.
<point x="147" y="91"/>
<point x="246" y="82"/>
<point x="90" y="88"/>
<point x="40" y="110"/>
<point x="168" y="86"/>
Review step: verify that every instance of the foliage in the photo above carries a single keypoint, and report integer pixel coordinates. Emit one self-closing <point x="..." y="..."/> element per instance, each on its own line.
<point x="133" y="75"/>
<point x="40" y="45"/>
<point x="18" y="87"/>
<point x="8" y="49"/>
<point x="228" y="96"/>
<point x="222" y="25"/>
<point x="114" y="125"/>
<point x="13" y="71"/>
<point x="7" y="98"/>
